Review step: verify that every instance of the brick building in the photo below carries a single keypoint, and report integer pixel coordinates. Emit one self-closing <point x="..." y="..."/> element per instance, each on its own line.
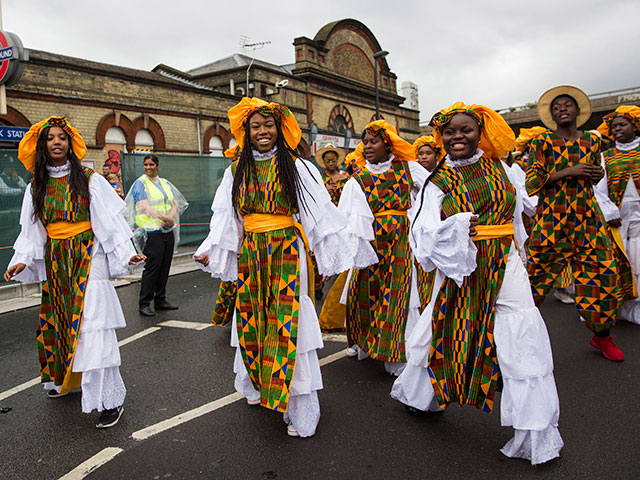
<point x="329" y="88"/>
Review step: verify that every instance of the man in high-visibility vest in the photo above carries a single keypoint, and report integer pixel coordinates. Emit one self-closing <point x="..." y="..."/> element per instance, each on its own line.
<point x="155" y="213"/>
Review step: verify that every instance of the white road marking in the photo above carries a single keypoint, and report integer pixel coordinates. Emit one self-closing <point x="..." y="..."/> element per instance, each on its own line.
<point x="334" y="337"/>
<point x="95" y="462"/>
<point x="185" y="417"/>
<point x="188" y="325"/>
<point x="169" y="423"/>
<point x="138" y="336"/>
<point x="36" y="381"/>
<point x="19" y="388"/>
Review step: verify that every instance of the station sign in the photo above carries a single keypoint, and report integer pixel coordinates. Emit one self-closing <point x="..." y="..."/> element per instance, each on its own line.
<point x="12" y="134"/>
<point x="12" y="58"/>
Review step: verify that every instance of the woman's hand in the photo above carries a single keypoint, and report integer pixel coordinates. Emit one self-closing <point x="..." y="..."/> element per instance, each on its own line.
<point x="615" y="223"/>
<point x="203" y="259"/>
<point x="13" y="270"/>
<point x="137" y="258"/>
<point x="473" y="223"/>
<point x="167" y="221"/>
<point x="588" y="170"/>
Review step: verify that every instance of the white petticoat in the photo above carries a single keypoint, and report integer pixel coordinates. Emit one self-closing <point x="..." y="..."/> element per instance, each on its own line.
<point x="529" y="401"/>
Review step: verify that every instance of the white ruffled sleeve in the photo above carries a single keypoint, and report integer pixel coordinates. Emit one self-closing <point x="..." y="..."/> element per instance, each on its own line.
<point x="419" y="175"/>
<point x="529" y="202"/>
<point x="29" y="246"/>
<point x="445" y="245"/>
<point x="517" y="179"/>
<point x="110" y="229"/>
<point x="222" y="245"/>
<point x="601" y="191"/>
<point x="323" y="224"/>
<point x="353" y="204"/>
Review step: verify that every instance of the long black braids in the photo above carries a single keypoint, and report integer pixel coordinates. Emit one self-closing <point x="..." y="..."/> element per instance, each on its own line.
<point x="286" y="171"/>
<point x="79" y="184"/>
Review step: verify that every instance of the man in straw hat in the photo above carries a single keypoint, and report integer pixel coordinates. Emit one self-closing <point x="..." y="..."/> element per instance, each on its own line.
<point x="569" y="228"/>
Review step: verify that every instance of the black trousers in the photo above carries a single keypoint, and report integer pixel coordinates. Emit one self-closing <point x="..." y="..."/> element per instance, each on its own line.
<point x="159" y="252"/>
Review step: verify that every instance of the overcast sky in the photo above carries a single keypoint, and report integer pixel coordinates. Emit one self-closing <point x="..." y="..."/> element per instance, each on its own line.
<point x="498" y="53"/>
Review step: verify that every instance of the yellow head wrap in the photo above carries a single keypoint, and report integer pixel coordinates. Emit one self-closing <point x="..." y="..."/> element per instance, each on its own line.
<point x="526" y="136"/>
<point x="630" y="112"/>
<point x="239" y="114"/>
<point x="27" y="146"/>
<point x="401" y="149"/>
<point x="429" y="141"/>
<point x="496" y="137"/>
<point x="234" y="152"/>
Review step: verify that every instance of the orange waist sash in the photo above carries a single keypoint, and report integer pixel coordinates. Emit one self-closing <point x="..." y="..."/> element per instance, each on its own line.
<point x="265" y="222"/>
<point x="62" y="230"/>
<point x="391" y="211"/>
<point x="486" y="232"/>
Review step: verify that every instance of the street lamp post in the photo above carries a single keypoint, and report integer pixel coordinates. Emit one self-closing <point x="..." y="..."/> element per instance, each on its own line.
<point x="376" y="56"/>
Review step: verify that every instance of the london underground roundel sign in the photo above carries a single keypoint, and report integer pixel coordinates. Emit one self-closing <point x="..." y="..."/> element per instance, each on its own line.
<point x="12" y="58"/>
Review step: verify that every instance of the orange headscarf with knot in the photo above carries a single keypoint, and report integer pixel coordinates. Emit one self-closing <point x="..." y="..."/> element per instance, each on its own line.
<point x="429" y="141"/>
<point x="27" y="146"/>
<point x="526" y="136"/>
<point x="234" y="152"/>
<point x="496" y="137"/>
<point x="401" y="149"/>
<point x="630" y="112"/>
<point x="240" y="113"/>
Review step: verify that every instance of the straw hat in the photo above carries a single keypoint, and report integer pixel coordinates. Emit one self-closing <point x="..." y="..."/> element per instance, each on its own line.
<point x="330" y="148"/>
<point x="544" y="105"/>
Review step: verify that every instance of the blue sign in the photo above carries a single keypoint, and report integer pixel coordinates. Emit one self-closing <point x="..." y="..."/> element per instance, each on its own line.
<point x="6" y="53"/>
<point x="12" y="134"/>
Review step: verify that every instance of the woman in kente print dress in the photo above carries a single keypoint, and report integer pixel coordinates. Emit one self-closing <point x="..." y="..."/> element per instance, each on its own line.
<point x="255" y="240"/>
<point x="382" y="297"/>
<point x="619" y="198"/>
<point x="73" y="238"/>
<point x="481" y="330"/>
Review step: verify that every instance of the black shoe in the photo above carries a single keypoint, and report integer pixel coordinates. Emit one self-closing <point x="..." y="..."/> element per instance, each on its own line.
<point x="146" y="311"/>
<point x="164" y="305"/>
<point x="110" y="417"/>
<point x="414" y="411"/>
<point x="54" y="394"/>
<point x="319" y="294"/>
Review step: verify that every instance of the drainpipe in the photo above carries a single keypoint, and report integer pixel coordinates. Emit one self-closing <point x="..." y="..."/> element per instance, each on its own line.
<point x="199" y="139"/>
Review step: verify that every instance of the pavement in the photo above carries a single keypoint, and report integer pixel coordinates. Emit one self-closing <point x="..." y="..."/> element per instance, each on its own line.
<point x="183" y="419"/>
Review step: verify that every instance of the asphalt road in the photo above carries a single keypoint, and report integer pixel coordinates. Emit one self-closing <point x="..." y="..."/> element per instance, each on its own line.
<point x="363" y="433"/>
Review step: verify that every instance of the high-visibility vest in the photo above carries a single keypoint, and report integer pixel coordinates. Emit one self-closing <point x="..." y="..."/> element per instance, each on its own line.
<point x="156" y="200"/>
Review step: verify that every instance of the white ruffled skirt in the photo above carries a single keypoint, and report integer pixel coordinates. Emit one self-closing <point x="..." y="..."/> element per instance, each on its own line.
<point x="303" y="410"/>
<point x="529" y="400"/>
<point x="97" y="354"/>
<point x="630" y="310"/>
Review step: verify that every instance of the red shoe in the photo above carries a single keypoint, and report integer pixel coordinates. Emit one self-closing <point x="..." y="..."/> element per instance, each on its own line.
<point x="608" y="348"/>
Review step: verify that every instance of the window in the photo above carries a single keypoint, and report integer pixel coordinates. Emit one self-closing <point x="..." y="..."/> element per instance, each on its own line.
<point x="340" y="124"/>
<point x="115" y="136"/>
<point x="144" y="140"/>
<point x="215" y="146"/>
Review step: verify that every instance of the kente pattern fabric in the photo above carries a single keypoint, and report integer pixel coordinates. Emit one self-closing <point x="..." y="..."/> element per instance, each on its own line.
<point x="225" y="304"/>
<point x="565" y="279"/>
<point x="621" y="166"/>
<point x="339" y="185"/>
<point x="568" y="212"/>
<point x="626" y="281"/>
<point x="268" y="291"/>
<point x="595" y="275"/>
<point x="569" y="229"/>
<point x="67" y="263"/>
<point x="463" y="364"/>
<point x="425" y="282"/>
<point x="378" y="296"/>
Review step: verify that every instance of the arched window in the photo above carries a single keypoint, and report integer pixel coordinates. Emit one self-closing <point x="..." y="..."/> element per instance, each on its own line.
<point x="215" y="146"/>
<point x="115" y="136"/>
<point x="340" y="124"/>
<point x="144" y="140"/>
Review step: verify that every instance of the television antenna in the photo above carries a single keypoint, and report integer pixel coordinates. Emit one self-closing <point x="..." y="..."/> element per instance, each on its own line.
<point x="244" y="39"/>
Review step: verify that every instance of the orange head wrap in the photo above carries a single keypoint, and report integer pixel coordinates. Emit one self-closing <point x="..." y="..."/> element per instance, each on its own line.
<point x="234" y="152"/>
<point x="27" y="146"/>
<point x="429" y="141"/>
<point x="630" y="112"/>
<point x="496" y="137"/>
<point x="401" y="149"/>
<point x="240" y="113"/>
<point x="526" y="136"/>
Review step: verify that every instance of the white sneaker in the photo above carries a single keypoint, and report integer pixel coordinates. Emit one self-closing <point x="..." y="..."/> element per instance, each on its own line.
<point x="252" y="401"/>
<point x="291" y="431"/>
<point x="351" y="352"/>
<point x="563" y="296"/>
